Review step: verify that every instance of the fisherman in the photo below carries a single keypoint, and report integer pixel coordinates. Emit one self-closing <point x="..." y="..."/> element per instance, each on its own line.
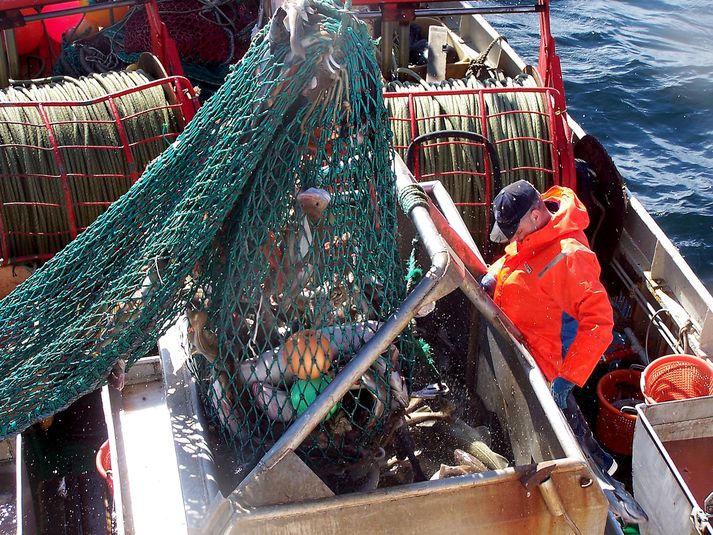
<point x="548" y="284"/>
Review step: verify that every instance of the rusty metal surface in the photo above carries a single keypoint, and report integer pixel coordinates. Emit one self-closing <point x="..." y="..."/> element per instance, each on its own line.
<point x="658" y="483"/>
<point x="490" y="502"/>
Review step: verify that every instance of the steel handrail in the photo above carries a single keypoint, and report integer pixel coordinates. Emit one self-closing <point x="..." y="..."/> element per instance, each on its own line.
<point x="10" y="6"/>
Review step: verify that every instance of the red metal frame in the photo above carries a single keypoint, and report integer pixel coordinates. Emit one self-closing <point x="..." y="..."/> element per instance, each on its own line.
<point x="556" y="140"/>
<point x="550" y="71"/>
<point x="163" y="46"/>
<point x="185" y="105"/>
<point x="548" y="68"/>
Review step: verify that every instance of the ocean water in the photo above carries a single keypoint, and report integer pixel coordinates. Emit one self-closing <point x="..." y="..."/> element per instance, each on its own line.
<point x="639" y="77"/>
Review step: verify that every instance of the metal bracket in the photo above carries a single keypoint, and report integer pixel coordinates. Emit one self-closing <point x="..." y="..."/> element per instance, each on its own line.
<point x="535" y="474"/>
<point x="539" y="475"/>
<point x="288" y="480"/>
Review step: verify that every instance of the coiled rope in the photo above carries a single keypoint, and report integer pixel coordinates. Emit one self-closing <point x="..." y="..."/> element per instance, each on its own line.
<point x="517" y="124"/>
<point x="90" y="148"/>
<point x="412" y="196"/>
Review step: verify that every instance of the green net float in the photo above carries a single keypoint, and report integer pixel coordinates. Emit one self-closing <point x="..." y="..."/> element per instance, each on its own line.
<point x="305" y="391"/>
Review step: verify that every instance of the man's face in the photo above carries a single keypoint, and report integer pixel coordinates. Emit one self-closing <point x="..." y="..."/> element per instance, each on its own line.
<point x="529" y="223"/>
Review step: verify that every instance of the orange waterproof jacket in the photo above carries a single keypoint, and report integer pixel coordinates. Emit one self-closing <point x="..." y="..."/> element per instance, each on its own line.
<point x="549" y="286"/>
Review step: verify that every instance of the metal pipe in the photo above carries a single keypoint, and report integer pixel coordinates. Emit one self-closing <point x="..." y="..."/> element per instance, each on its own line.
<point x="13" y="57"/>
<point x="420" y="216"/>
<point x="403" y="32"/>
<point x="450" y="212"/>
<point x="7" y="5"/>
<point x="425" y="225"/>
<point x="61" y="13"/>
<point x="387" y="43"/>
<point x="437" y="280"/>
<point x="636" y="346"/>
<point x="4" y="66"/>
<point x="19" y="483"/>
<point x="448" y="226"/>
<point x="490" y="311"/>
<point x="111" y="407"/>
<point x="649" y="310"/>
<point x="455" y="11"/>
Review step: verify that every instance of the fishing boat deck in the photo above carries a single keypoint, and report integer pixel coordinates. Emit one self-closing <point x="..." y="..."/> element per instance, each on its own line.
<point x="8" y="508"/>
<point x="142" y="436"/>
<point x="166" y="479"/>
<point x="173" y="475"/>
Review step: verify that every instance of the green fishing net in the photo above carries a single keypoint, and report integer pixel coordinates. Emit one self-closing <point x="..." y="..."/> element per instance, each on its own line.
<point x="271" y="222"/>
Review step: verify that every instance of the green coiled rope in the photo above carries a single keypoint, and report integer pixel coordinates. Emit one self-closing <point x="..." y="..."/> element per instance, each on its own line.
<point x="516" y="125"/>
<point x="90" y="148"/>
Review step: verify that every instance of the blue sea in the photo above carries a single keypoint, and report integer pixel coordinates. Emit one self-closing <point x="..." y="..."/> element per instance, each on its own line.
<point x="639" y="77"/>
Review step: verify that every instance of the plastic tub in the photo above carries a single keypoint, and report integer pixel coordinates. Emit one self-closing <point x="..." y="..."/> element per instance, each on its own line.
<point x="676" y="377"/>
<point x="103" y="462"/>
<point x="614" y="428"/>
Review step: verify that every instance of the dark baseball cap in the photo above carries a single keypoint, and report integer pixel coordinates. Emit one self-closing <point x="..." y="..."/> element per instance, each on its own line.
<point x="509" y="206"/>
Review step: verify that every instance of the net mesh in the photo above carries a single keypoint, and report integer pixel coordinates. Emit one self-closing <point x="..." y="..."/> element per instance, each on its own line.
<point x="190" y="22"/>
<point x="205" y="60"/>
<point x="272" y="221"/>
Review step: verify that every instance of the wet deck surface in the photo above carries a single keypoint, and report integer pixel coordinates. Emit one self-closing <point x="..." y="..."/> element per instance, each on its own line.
<point x="152" y="482"/>
<point x="8" y="513"/>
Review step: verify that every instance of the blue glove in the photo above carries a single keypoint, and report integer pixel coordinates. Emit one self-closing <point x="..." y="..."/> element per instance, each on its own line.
<point x="488" y="283"/>
<point x="560" y="389"/>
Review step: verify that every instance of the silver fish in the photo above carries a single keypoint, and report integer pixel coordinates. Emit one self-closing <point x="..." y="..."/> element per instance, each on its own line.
<point x="447" y="471"/>
<point x="350" y="337"/>
<point x="117" y="375"/>
<point x="270" y="367"/>
<point x="488" y="457"/>
<point x="274" y="402"/>
<point x="621" y="503"/>
<point x="299" y="249"/>
<point x="221" y="400"/>
<point x="466" y="459"/>
<point x="203" y="341"/>
<point x="314" y="202"/>
<point x="297" y="12"/>
<point x="377" y="389"/>
<point x="399" y="392"/>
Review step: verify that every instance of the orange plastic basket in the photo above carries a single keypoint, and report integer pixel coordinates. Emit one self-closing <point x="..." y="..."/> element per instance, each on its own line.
<point x="614" y="428"/>
<point x="677" y="377"/>
<point x="103" y="462"/>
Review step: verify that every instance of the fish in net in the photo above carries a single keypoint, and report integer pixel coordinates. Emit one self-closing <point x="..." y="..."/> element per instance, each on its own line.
<point x="270" y="222"/>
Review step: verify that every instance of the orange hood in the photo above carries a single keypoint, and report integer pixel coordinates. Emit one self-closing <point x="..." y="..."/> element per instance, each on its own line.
<point x="569" y="220"/>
